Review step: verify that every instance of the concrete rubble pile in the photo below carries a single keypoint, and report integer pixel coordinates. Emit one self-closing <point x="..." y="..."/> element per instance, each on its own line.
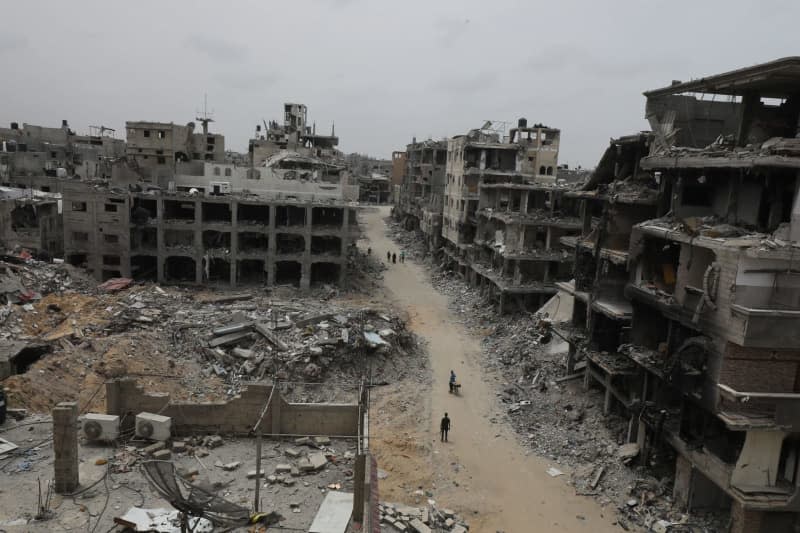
<point x="203" y="344"/>
<point x="24" y="279"/>
<point x="409" y="241"/>
<point x="404" y="519"/>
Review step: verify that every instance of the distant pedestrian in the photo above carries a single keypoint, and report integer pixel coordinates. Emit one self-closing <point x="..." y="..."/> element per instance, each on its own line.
<point x="402" y="256"/>
<point x="369" y="251"/>
<point x="394" y="259"/>
<point x="388" y="256"/>
<point x="445" y="427"/>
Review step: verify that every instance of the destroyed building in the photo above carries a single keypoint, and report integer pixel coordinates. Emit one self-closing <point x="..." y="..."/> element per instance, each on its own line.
<point x="154" y="148"/>
<point x="32" y="154"/>
<point x="421" y="197"/>
<point x="31" y="220"/>
<point x="167" y="207"/>
<point x="294" y="135"/>
<point x="226" y="239"/>
<point x="505" y="212"/>
<point x="685" y="295"/>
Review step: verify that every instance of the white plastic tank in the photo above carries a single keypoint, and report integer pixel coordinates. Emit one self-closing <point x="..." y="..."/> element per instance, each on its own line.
<point x="61" y="172"/>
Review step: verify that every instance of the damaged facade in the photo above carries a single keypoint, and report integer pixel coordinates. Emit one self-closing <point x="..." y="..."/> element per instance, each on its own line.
<point x="685" y="290"/>
<point x="227" y="239"/>
<point x="167" y="207"/>
<point x="504" y="214"/>
<point x="31" y="220"/>
<point x="30" y="153"/>
<point x="493" y="207"/>
<point x="421" y="198"/>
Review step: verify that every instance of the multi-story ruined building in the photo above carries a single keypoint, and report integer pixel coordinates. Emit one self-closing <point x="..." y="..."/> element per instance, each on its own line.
<point x="155" y="150"/>
<point x="505" y="212"/>
<point x="32" y="152"/>
<point x="686" y="294"/>
<point x="168" y="207"/>
<point x="225" y="239"/>
<point x="293" y="135"/>
<point x="421" y="198"/>
<point x="31" y="220"/>
<point x="398" y="171"/>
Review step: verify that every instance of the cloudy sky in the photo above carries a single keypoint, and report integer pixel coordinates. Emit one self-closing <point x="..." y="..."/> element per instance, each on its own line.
<point x="382" y="71"/>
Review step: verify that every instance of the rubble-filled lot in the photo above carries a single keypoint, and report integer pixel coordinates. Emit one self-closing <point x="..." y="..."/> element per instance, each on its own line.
<point x="296" y="476"/>
<point x="554" y="416"/>
<point x="197" y="346"/>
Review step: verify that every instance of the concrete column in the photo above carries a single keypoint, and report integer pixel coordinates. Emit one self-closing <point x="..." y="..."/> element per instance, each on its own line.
<point x="275" y="407"/>
<point x="523" y="204"/>
<point x="681" y="491"/>
<point x="65" y="446"/>
<point x="305" y="279"/>
<point x="745" y="520"/>
<point x="198" y="241"/>
<point x="234" y="242"/>
<point x="359" y="485"/>
<point x="160" y="253"/>
<point x="270" y="259"/>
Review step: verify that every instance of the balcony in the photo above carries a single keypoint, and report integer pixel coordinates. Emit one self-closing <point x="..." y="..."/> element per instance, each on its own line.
<point x="759" y="410"/>
<point x="766" y="328"/>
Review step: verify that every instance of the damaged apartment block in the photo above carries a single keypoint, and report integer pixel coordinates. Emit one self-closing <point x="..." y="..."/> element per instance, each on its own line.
<point x="228" y="240"/>
<point x="686" y="290"/>
<point x="421" y="198"/>
<point x="505" y="214"/>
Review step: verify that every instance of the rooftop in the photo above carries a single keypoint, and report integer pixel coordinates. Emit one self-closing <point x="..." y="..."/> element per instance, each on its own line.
<point x="774" y="79"/>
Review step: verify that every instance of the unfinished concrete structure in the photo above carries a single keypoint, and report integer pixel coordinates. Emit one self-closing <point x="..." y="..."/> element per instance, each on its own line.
<point x="31" y="220"/>
<point x="221" y="239"/>
<point x="691" y="328"/>
<point x="504" y="214"/>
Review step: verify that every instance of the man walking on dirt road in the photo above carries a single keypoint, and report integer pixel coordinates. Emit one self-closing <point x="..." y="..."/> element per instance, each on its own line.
<point x="445" y="427"/>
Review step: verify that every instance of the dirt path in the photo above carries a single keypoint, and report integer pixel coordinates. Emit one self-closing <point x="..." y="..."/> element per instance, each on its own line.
<point x="482" y="469"/>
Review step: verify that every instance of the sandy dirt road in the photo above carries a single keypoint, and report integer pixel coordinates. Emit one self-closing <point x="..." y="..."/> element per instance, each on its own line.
<point x="482" y="472"/>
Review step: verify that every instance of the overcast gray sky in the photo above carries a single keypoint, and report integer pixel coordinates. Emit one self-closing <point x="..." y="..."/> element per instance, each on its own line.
<point x="383" y="71"/>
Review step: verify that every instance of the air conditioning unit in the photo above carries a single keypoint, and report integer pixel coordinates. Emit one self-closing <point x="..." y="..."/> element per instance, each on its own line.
<point x="99" y="427"/>
<point x="152" y="426"/>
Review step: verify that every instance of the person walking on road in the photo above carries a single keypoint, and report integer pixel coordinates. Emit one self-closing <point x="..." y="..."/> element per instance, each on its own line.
<point x="394" y="259"/>
<point x="445" y="427"/>
<point x="402" y="256"/>
<point x="388" y="256"/>
<point x="452" y="381"/>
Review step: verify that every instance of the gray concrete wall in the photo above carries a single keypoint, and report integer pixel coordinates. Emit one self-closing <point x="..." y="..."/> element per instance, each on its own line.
<point x="236" y="416"/>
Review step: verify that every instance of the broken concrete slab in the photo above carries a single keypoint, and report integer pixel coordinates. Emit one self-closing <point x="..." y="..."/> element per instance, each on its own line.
<point x="317" y="460"/>
<point x="228" y="339"/>
<point x="417" y="525"/>
<point x="322" y="441"/>
<point x="292" y="453"/>
<point x="334" y="513"/>
<point x="265" y="332"/>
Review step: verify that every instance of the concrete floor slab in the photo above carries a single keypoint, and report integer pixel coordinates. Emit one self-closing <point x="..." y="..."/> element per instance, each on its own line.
<point x="334" y="513"/>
